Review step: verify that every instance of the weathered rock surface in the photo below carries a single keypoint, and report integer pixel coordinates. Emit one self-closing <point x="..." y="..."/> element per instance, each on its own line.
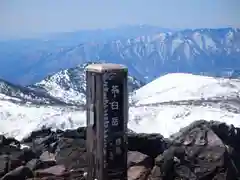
<point x="201" y="151"/>
<point x="197" y="152"/>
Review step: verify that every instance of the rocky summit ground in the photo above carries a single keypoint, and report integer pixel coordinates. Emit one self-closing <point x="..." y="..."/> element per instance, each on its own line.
<point x="202" y="151"/>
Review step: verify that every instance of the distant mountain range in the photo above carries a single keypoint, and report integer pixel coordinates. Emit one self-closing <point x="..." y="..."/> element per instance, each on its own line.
<point x="147" y="51"/>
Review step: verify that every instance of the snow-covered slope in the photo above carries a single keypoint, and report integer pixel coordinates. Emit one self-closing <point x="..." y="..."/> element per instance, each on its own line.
<point x="21" y="94"/>
<point x="23" y="110"/>
<point x="175" y="100"/>
<point x="163" y="106"/>
<point x="70" y="86"/>
<point x="180" y="87"/>
<point x="169" y="119"/>
<point x="18" y="120"/>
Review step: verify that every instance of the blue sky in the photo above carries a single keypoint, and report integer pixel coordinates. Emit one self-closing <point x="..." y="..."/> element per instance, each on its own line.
<point x="20" y="18"/>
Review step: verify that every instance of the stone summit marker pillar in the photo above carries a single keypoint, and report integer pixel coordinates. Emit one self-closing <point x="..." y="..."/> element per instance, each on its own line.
<point x="107" y="117"/>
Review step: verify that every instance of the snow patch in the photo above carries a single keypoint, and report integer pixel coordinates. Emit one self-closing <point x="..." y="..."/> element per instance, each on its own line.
<point x="19" y="120"/>
<point x="170" y="119"/>
<point x="209" y="43"/>
<point x="180" y="86"/>
<point x="187" y="50"/>
<point x="176" y="43"/>
<point x="198" y="39"/>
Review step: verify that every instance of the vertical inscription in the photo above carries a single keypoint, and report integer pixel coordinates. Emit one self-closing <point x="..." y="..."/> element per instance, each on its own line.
<point x="106" y="120"/>
<point x="114" y="126"/>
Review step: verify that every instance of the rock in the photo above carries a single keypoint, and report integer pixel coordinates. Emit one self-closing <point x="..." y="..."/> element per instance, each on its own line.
<point x="71" y="153"/>
<point x="41" y="144"/>
<point x="10" y="158"/>
<point x="2" y="140"/>
<point x="136" y="158"/>
<point x="37" y="134"/>
<point x="138" y="173"/>
<point x="35" y="164"/>
<point x="196" y="153"/>
<point x="3" y="165"/>
<point x="8" y="141"/>
<point x="79" y="133"/>
<point x="47" y="156"/>
<point x="58" y="170"/>
<point x="150" y="144"/>
<point x="228" y="134"/>
<point x="139" y="165"/>
<point x="156" y="173"/>
<point x="26" y="155"/>
<point x="20" y="173"/>
<point x="201" y="151"/>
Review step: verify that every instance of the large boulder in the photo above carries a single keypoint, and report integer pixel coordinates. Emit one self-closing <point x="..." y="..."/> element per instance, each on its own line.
<point x="139" y="165"/>
<point x="19" y="173"/>
<point x="198" y="152"/>
<point x="12" y="156"/>
<point x="150" y="144"/>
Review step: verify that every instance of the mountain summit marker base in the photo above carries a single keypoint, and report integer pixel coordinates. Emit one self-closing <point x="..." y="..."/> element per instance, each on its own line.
<point x="107" y="117"/>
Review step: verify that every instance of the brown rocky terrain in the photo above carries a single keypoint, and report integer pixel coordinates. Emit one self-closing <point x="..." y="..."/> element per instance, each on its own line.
<point x="201" y="151"/>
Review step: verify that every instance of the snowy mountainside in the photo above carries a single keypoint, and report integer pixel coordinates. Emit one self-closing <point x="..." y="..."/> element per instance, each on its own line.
<point x="23" y="110"/>
<point x="209" y="51"/>
<point x="48" y="103"/>
<point x="175" y="100"/>
<point x="182" y="87"/>
<point x="69" y="85"/>
<point x="11" y="92"/>
<point x="18" y="120"/>
<point x="162" y="106"/>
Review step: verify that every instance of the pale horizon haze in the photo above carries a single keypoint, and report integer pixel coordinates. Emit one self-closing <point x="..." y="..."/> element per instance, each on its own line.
<point x="23" y="18"/>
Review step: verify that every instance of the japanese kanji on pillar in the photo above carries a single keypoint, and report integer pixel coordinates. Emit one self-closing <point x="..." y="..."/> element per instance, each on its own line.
<point x="107" y="117"/>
